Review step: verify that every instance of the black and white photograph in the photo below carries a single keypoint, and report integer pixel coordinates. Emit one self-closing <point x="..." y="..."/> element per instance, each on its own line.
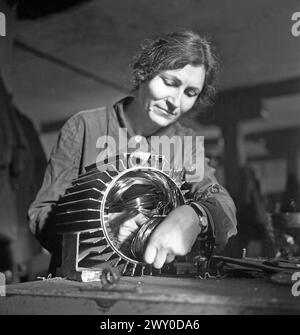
<point x="149" y="161"/>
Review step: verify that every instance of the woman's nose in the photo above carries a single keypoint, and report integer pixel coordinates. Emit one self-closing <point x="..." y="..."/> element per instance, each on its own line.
<point x="174" y="100"/>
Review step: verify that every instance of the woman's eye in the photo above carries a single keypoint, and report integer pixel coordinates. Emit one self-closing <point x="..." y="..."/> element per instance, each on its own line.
<point x="192" y="93"/>
<point x="169" y="82"/>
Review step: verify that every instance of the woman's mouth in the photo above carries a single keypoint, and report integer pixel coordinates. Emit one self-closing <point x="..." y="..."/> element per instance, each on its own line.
<point x="167" y="111"/>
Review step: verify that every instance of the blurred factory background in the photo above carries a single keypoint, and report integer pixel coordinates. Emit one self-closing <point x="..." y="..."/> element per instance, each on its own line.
<point x="60" y="57"/>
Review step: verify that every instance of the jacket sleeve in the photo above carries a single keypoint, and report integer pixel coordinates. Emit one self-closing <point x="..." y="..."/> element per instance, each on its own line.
<point x="218" y="205"/>
<point x="62" y="167"/>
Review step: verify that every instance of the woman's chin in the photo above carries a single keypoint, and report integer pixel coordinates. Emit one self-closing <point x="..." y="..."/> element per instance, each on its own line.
<point x="161" y="121"/>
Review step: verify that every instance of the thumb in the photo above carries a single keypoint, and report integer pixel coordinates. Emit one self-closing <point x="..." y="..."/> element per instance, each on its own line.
<point x="140" y="219"/>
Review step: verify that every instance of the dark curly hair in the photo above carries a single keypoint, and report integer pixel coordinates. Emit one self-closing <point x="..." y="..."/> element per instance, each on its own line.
<point x="174" y="51"/>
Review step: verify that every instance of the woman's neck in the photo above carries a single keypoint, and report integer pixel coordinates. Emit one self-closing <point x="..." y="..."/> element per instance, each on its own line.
<point x="139" y="120"/>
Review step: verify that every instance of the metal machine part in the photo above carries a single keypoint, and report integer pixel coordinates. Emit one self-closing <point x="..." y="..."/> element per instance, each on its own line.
<point x="90" y="213"/>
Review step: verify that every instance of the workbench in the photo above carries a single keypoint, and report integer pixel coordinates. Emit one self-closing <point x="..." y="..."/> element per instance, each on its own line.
<point x="149" y="295"/>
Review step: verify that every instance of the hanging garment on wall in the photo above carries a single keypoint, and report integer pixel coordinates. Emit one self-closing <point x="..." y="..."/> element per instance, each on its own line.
<point x="8" y="143"/>
<point x="22" y="165"/>
<point x="26" y="185"/>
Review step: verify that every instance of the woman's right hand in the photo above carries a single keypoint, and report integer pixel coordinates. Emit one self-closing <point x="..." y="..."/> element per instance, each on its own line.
<point x="174" y="236"/>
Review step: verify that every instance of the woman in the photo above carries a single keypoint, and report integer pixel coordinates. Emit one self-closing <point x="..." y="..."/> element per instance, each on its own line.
<point x="172" y="74"/>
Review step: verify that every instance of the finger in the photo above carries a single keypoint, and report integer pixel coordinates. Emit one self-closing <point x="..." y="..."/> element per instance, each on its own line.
<point x="130" y="224"/>
<point x="125" y="232"/>
<point x="140" y="219"/>
<point x="122" y="235"/>
<point x="170" y="258"/>
<point x="150" y="254"/>
<point x="160" y="259"/>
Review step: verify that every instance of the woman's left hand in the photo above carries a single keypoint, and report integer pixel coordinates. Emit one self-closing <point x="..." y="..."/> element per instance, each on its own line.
<point x="174" y="236"/>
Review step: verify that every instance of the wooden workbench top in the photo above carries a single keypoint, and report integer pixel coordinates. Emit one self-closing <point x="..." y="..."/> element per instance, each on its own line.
<point x="151" y="295"/>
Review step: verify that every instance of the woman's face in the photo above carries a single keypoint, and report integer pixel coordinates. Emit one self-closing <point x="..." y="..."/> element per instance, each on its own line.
<point x="171" y="93"/>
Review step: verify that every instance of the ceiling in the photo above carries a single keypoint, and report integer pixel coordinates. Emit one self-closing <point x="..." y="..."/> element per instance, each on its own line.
<point x="86" y="51"/>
